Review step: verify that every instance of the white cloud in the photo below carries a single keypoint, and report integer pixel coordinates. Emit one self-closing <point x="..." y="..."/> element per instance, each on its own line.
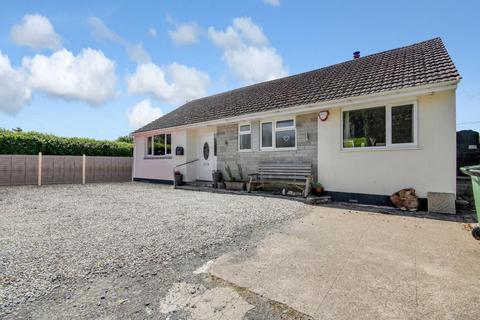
<point x="88" y="76"/>
<point x="101" y="32"/>
<point x="14" y="93"/>
<point x="173" y="84"/>
<point x="272" y="2"/>
<point x="247" y="52"/>
<point x="137" y="52"/>
<point x="152" y="32"/>
<point x="37" y="32"/>
<point x="185" y="33"/>
<point x="142" y="113"/>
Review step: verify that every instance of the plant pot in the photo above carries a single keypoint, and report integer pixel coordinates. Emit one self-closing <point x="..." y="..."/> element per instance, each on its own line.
<point x="318" y="189"/>
<point x="178" y="179"/>
<point x="217" y="176"/>
<point x="235" y="185"/>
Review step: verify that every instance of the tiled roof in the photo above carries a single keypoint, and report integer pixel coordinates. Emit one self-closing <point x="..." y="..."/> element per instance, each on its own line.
<point x="422" y="63"/>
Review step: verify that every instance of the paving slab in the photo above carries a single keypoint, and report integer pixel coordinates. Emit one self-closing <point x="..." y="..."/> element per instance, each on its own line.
<point x="344" y="264"/>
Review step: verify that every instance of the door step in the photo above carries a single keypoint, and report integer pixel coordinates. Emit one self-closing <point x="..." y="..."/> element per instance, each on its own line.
<point x="199" y="183"/>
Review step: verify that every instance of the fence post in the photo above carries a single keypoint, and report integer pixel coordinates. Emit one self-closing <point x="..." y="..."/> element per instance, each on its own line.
<point x="39" y="169"/>
<point x="84" y="160"/>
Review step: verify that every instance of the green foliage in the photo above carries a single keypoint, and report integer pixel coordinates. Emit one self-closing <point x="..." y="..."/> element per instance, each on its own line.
<point x="355" y="142"/>
<point x="317" y="185"/>
<point x="229" y="173"/>
<point x="240" y="171"/>
<point x="127" y="139"/>
<point x="19" y="142"/>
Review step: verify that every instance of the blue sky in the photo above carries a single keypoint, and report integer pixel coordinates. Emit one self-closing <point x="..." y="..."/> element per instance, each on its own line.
<point x="147" y="57"/>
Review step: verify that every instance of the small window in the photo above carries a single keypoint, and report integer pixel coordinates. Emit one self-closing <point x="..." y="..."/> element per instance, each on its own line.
<point x="206" y="150"/>
<point x="169" y="144"/>
<point x="149" y="146"/>
<point x="285" y="134"/>
<point x="244" y="137"/>
<point x="402" y="124"/>
<point x="285" y="124"/>
<point x="215" y="144"/>
<point x="285" y="139"/>
<point x="159" y="145"/>
<point x="267" y="134"/>
<point x="364" y="128"/>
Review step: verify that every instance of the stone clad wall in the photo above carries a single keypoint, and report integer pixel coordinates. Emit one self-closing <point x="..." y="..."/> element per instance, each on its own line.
<point x="228" y="154"/>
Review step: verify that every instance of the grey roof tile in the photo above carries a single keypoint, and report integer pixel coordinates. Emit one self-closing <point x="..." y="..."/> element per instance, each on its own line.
<point x="422" y="63"/>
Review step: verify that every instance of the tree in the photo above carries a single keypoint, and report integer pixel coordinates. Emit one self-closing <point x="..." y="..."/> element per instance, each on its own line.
<point x="127" y="139"/>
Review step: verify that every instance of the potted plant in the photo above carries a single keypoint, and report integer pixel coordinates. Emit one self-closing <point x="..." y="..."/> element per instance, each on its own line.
<point x="217" y="177"/>
<point x="233" y="183"/>
<point x="317" y="187"/>
<point x="178" y="178"/>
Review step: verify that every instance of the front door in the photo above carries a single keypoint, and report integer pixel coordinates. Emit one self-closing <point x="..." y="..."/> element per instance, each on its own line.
<point x="206" y="156"/>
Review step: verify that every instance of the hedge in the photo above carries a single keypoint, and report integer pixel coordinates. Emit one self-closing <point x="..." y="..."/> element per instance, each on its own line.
<point x="14" y="142"/>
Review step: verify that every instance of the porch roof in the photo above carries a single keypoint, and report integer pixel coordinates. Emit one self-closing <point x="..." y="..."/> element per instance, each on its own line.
<point x="423" y="63"/>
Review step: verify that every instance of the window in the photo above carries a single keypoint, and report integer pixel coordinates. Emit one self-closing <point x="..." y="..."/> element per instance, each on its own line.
<point x="159" y="145"/>
<point x="383" y="126"/>
<point x="364" y="128"/>
<point x="215" y="144"/>
<point x="149" y="146"/>
<point x="402" y="124"/>
<point x="244" y="137"/>
<point x="285" y="134"/>
<point x="280" y="134"/>
<point x="206" y="150"/>
<point x="267" y="134"/>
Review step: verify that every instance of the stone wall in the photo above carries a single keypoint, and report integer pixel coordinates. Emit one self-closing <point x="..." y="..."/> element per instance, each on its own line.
<point x="228" y="154"/>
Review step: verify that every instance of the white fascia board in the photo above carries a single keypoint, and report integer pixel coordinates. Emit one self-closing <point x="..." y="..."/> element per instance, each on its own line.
<point x="314" y="107"/>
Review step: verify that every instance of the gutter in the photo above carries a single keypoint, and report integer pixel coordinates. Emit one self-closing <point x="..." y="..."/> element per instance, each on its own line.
<point x="309" y="108"/>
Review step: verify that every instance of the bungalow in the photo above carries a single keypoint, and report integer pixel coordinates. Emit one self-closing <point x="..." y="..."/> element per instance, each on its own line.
<point x="370" y="127"/>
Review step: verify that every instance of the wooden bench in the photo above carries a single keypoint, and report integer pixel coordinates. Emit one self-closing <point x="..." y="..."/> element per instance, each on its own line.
<point x="291" y="173"/>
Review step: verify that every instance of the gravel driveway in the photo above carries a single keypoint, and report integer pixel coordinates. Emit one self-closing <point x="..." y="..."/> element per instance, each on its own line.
<point x="113" y="250"/>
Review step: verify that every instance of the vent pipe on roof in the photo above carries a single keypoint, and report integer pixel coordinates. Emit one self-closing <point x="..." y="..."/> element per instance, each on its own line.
<point x="356" y="55"/>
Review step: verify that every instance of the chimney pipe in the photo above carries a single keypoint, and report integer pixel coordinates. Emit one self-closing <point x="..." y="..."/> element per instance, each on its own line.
<point x="356" y="55"/>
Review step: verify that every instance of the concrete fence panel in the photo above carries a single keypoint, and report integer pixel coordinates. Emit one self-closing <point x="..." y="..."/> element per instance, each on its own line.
<point x="24" y="169"/>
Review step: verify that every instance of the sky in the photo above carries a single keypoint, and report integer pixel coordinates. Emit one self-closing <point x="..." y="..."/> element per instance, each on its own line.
<point x="102" y="69"/>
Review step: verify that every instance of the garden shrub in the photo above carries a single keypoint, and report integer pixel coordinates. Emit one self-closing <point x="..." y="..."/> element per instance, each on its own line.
<point x="18" y="142"/>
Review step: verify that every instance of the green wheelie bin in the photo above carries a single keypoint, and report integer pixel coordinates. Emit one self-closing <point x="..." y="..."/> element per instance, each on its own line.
<point x="474" y="173"/>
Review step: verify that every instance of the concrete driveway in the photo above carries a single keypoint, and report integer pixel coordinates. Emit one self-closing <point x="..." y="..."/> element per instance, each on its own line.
<point x="343" y="264"/>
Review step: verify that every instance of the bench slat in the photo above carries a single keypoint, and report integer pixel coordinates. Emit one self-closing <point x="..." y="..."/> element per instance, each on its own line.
<point x="301" y="177"/>
<point x="291" y="166"/>
<point x="288" y="171"/>
<point x="285" y="169"/>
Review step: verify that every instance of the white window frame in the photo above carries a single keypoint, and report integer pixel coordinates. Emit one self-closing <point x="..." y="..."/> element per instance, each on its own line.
<point x="240" y="133"/>
<point x="388" y="126"/>
<point x="153" y="144"/>
<point x="275" y="130"/>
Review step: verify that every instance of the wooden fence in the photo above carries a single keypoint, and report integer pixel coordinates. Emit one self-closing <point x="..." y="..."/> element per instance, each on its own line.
<point x="23" y="169"/>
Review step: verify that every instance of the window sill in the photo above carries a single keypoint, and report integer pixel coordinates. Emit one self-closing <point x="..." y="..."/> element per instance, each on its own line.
<point x="278" y="149"/>
<point x="373" y="149"/>
<point x="245" y="150"/>
<point x="157" y="157"/>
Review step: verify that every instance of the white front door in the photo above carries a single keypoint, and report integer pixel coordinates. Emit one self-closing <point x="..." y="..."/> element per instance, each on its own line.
<point x="207" y="159"/>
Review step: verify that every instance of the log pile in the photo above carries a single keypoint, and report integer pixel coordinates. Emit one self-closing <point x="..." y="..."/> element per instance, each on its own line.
<point x="405" y="199"/>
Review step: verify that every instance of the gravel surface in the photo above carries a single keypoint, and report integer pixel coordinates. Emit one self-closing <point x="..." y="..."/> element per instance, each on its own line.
<point x="114" y="250"/>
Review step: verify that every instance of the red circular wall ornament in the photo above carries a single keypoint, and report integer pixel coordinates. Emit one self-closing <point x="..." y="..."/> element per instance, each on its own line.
<point x="323" y="115"/>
